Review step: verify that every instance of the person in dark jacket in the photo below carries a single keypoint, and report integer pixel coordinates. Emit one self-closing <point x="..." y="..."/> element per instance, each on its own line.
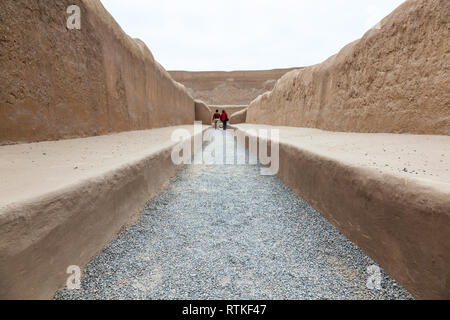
<point x="216" y="118"/>
<point x="224" y="119"/>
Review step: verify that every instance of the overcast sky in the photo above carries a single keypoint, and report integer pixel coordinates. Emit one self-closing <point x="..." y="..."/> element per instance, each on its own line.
<point x="246" y="34"/>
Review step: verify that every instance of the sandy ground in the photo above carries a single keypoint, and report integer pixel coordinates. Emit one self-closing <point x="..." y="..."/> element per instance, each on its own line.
<point x="31" y="170"/>
<point x="424" y="158"/>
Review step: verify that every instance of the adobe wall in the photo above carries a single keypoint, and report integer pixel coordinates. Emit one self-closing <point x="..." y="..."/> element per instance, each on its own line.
<point x="228" y="88"/>
<point x="239" y="117"/>
<point x="395" y="79"/>
<point x="74" y="213"/>
<point x="57" y="83"/>
<point x="401" y="220"/>
<point x="202" y="113"/>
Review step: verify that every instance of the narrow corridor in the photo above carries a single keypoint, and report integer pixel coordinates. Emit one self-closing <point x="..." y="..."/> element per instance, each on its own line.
<point x="227" y="232"/>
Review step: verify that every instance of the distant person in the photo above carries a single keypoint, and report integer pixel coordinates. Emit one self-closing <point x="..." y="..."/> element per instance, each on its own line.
<point x="224" y="119"/>
<point x="216" y="118"/>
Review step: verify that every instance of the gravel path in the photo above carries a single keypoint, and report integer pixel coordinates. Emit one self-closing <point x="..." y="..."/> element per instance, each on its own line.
<point x="226" y="232"/>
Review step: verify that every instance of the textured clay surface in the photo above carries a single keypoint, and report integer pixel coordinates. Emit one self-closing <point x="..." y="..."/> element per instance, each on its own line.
<point x="62" y="201"/>
<point x="395" y="79"/>
<point x="228" y="88"/>
<point x="388" y="193"/>
<point x="59" y="83"/>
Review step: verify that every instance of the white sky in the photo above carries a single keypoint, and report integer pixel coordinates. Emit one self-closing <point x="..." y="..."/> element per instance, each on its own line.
<point x="246" y="34"/>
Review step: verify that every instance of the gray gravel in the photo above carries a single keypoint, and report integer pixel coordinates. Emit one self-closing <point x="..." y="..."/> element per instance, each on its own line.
<point x="226" y="232"/>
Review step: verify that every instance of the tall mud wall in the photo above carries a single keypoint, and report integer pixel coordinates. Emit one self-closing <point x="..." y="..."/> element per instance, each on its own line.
<point x="395" y="79"/>
<point x="58" y="83"/>
<point x="228" y="88"/>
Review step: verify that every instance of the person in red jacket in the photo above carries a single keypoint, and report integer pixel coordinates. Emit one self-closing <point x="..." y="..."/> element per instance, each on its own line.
<point x="224" y="119"/>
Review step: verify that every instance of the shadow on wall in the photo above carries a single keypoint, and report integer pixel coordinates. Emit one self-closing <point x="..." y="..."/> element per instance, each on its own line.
<point x="202" y="113"/>
<point x="239" y="117"/>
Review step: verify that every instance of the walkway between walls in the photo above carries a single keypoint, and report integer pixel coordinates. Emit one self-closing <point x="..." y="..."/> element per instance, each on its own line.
<point x="227" y="232"/>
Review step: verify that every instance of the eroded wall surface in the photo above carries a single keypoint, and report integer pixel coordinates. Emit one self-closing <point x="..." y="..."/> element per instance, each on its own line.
<point x="395" y="79"/>
<point x="228" y="88"/>
<point x="58" y="83"/>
